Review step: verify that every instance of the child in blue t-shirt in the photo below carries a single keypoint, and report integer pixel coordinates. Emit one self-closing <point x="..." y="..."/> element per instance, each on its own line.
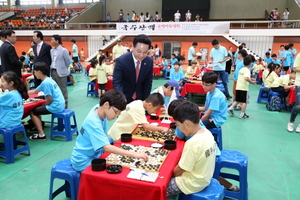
<point x="286" y="59"/>
<point x="173" y="60"/>
<point x="268" y="58"/>
<point x="176" y="74"/>
<point x="215" y="108"/>
<point x="11" y="100"/>
<point x="55" y="102"/>
<point x="92" y="140"/>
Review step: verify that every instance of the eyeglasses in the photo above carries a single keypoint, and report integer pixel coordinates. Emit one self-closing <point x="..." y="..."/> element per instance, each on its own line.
<point x="116" y="112"/>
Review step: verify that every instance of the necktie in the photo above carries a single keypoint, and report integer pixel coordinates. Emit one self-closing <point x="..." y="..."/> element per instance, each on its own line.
<point x="38" y="48"/>
<point x="137" y="72"/>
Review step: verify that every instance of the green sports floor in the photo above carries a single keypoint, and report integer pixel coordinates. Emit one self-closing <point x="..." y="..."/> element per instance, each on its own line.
<point x="274" y="162"/>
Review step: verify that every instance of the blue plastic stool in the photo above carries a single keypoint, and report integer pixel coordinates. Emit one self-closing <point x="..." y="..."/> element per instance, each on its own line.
<point x="271" y="94"/>
<point x="214" y="191"/>
<point x="11" y="143"/>
<point x="91" y="89"/>
<point x="263" y="94"/>
<point x="64" y="170"/>
<point x="217" y="133"/>
<point x="238" y="161"/>
<point x="64" y="127"/>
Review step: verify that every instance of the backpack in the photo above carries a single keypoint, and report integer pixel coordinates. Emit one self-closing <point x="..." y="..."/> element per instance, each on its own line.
<point x="274" y="104"/>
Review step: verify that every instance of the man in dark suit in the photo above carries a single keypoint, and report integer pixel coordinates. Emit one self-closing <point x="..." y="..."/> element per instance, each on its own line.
<point x="9" y="58"/>
<point x="133" y="72"/>
<point x="41" y="52"/>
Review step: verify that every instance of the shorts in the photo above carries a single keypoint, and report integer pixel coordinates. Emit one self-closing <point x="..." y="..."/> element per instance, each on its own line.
<point x="172" y="189"/>
<point x="101" y="86"/>
<point x="286" y="68"/>
<point x="75" y="59"/>
<point x="234" y="87"/>
<point x="241" y="96"/>
<point x="41" y="110"/>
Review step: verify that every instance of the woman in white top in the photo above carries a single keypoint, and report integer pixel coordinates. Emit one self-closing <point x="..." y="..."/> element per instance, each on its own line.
<point x="156" y="52"/>
<point x="285" y="15"/>
<point x="147" y="17"/>
<point x="177" y="16"/>
<point x="188" y="16"/>
<point x="133" y="18"/>
<point x="142" y="17"/>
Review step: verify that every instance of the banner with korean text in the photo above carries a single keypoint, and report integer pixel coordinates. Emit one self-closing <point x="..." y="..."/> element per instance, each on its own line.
<point x="173" y="28"/>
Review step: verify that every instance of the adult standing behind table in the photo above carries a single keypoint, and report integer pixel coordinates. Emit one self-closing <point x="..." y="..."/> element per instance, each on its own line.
<point x="41" y="52"/>
<point x="219" y="55"/>
<point x="133" y="72"/>
<point x="9" y="58"/>
<point x="191" y="53"/>
<point x="59" y="66"/>
<point x="2" y="39"/>
<point x="118" y="50"/>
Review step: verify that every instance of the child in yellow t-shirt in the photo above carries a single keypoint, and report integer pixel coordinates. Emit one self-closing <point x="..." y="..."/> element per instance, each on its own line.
<point x="196" y="165"/>
<point x="242" y="88"/>
<point x="102" y="74"/>
<point x="191" y="70"/>
<point x="134" y="114"/>
<point x="257" y="68"/>
<point x="93" y="71"/>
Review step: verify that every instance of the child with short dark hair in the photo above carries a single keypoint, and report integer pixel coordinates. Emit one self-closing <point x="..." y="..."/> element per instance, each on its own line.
<point x="286" y="59"/>
<point x="135" y="115"/>
<point x="176" y="74"/>
<point x="215" y="108"/>
<point x="268" y="58"/>
<point x="191" y="70"/>
<point x="242" y="87"/>
<point x="196" y="165"/>
<point x="55" y="102"/>
<point x="92" y="140"/>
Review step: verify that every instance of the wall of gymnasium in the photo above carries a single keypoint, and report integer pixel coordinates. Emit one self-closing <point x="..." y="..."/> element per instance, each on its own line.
<point x="244" y="9"/>
<point x="93" y="14"/>
<point x="114" y="6"/>
<point x="293" y="9"/>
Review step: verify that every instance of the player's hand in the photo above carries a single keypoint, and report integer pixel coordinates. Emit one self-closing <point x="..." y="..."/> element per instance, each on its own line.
<point x="165" y="130"/>
<point x="142" y="156"/>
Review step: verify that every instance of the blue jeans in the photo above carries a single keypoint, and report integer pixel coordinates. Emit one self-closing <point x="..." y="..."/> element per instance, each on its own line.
<point x="222" y="76"/>
<point x="296" y="108"/>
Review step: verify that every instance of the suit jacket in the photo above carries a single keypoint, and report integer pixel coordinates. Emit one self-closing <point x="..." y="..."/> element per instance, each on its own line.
<point x="9" y="59"/>
<point x="44" y="55"/>
<point x="124" y="77"/>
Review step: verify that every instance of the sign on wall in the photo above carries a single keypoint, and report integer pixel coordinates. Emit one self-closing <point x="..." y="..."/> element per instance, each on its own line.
<point x="173" y="28"/>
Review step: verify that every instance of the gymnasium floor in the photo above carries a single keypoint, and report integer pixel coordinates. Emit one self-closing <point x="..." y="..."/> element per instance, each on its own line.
<point x="273" y="152"/>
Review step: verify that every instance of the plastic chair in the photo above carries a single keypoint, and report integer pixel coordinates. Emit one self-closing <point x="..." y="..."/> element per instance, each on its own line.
<point x="63" y="170"/>
<point x="263" y="94"/>
<point x="214" y="191"/>
<point x="217" y="133"/>
<point x="233" y="160"/>
<point x="91" y="90"/>
<point x="69" y="82"/>
<point x="11" y="143"/>
<point x="64" y="127"/>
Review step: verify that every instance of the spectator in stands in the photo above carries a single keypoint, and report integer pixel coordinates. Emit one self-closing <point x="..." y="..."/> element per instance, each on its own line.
<point x="142" y="17"/>
<point x="188" y="16"/>
<point x="281" y="51"/>
<point x="276" y="14"/>
<point x="197" y="18"/>
<point x="121" y="16"/>
<point x="133" y="17"/>
<point x="219" y="55"/>
<point x="157" y="17"/>
<point x="147" y="17"/>
<point x="177" y="16"/>
<point x="285" y="16"/>
<point x="108" y="17"/>
<point x="26" y="18"/>
<point x="59" y="66"/>
<point x="57" y="13"/>
<point x="11" y="24"/>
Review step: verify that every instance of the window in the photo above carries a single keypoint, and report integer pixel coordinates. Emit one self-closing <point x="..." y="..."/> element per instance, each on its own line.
<point x="3" y="3"/>
<point x="35" y="2"/>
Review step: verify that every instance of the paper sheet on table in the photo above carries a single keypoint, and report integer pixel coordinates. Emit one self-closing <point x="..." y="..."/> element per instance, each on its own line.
<point x="213" y="64"/>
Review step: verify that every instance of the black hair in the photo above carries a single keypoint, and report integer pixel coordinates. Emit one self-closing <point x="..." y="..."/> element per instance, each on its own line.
<point x="2" y="34"/>
<point x="179" y="58"/>
<point x="39" y="34"/>
<point x="163" y="57"/>
<point x="41" y="66"/>
<point x="74" y="41"/>
<point x="19" y="85"/>
<point x="155" y="99"/>
<point x="247" y="61"/>
<point x="8" y="33"/>
<point x="177" y="63"/>
<point x="114" y="98"/>
<point x="173" y="54"/>
<point x="195" y="44"/>
<point x="187" y="111"/>
<point x="173" y="105"/>
<point x="214" y="42"/>
<point x="142" y="39"/>
<point x="22" y="58"/>
<point x="291" y="44"/>
<point x="243" y="53"/>
<point x="94" y="63"/>
<point x="274" y="55"/>
<point x="101" y="59"/>
<point x="23" y="53"/>
<point x="167" y="85"/>
<point x="210" y="77"/>
<point x="286" y="47"/>
<point x="282" y="45"/>
<point x="271" y="68"/>
<point x="243" y="44"/>
<point x="155" y="46"/>
<point x="57" y="38"/>
<point x="268" y="53"/>
<point x="252" y="58"/>
<point x="240" y="47"/>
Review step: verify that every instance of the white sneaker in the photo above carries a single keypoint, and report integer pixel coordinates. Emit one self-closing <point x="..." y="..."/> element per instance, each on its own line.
<point x="298" y="129"/>
<point x="290" y="127"/>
